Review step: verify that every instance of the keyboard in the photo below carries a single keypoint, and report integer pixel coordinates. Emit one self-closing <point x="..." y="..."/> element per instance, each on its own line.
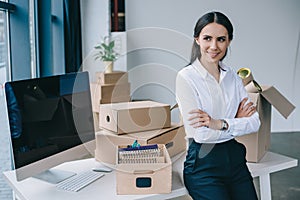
<point x="79" y="181"/>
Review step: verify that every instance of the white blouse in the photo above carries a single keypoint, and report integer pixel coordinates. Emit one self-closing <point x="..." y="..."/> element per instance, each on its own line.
<point x="197" y="89"/>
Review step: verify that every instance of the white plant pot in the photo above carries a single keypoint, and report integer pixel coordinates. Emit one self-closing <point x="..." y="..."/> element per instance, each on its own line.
<point x="109" y="66"/>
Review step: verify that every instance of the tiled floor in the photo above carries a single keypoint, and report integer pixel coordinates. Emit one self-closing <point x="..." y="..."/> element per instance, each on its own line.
<point x="285" y="184"/>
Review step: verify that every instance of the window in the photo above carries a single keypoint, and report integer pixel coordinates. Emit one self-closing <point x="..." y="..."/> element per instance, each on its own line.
<point x="117" y="15"/>
<point x="36" y="46"/>
<point x="4" y="68"/>
<point x="5" y="191"/>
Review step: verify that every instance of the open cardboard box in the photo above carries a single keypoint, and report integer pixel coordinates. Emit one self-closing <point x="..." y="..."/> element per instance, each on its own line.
<point x="129" y="117"/>
<point x="258" y="143"/>
<point x="107" y="141"/>
<point x="143" y="177"/>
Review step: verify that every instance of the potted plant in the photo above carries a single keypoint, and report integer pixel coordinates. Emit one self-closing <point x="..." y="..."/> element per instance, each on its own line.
<point x="106" y="53"/>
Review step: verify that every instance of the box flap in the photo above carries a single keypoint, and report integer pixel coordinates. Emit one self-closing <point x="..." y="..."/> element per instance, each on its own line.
<point x="274" y="97"/>
<point x="148" y="135"/>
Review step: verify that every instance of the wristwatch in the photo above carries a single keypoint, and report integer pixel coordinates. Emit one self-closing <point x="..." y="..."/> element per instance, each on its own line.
<point x="224" y="125"/>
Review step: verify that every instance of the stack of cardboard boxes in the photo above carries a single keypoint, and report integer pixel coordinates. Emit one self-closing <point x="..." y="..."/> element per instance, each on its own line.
<point x="145" y="122"/>
<point x="119" y="122"/>
<point x="148" y="122"/>
<point x="109" y="88"/>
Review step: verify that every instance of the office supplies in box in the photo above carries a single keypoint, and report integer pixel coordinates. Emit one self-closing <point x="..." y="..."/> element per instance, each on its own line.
<point x="107" y="141"/>
<point x="258" y="143"/>
<point x="129" y="117"/>
<point x="115" y="77"/>
<point x="143" y="170"/>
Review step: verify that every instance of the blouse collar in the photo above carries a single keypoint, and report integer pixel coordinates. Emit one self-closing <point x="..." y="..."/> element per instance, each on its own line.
<point x="204" y="73"/>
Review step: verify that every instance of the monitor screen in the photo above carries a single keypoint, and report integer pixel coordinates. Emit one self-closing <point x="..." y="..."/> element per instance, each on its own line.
<point x="51" y="121"/>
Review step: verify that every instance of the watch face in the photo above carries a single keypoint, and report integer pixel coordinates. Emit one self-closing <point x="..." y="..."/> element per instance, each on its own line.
<point x="224" y="125"/>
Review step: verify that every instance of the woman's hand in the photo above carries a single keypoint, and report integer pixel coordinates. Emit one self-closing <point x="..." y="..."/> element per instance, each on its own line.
<point x="245" y="110"/>
<point x="200" y="118"/>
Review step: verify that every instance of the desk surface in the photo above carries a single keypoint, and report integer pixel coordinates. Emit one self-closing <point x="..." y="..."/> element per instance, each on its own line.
<point x="271" y="162"/>
<point x="34" y="189"/>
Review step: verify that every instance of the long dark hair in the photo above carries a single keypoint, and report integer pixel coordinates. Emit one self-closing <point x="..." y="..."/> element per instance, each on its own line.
<point x="208" y="18"/>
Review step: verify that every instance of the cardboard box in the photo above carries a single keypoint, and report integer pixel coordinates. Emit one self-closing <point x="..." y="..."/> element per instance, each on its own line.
<point x="115" y="99"/>
<point x="116" y="77"/>
<point x="107" y="141"/>
<point x="173" y="138"/>
<point x="145" y="178"/>
<point x="103" y="94"/>
<point x="129" y="117"/>
<point x="257" y="144"/>
<point x="109" y="91"/>
<point x="119" y="99"/>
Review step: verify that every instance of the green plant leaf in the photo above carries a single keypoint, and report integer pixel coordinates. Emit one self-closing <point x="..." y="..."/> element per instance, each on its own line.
<point x="105" y="50"/>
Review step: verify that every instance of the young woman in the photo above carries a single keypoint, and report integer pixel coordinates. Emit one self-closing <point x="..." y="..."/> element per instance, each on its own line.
<point x="215" y="108"/>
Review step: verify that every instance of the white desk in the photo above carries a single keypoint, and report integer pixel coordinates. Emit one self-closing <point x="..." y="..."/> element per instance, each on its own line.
<point x="105" y="187"/>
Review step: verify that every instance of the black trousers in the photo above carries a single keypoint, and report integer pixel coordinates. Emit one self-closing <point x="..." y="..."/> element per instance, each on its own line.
<point x="218" y="172"/>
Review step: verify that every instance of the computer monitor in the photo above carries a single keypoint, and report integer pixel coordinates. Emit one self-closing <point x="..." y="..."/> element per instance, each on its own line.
<point x="51" y="122"/>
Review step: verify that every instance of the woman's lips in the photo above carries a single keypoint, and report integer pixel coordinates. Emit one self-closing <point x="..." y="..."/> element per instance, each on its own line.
<point x="213" y="55"/>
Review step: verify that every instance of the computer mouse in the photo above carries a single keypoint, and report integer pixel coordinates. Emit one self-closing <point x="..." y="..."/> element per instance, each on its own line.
<point x="102" y="169"/>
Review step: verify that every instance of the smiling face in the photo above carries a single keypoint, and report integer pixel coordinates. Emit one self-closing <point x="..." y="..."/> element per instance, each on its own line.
<point x="213" y="41"/>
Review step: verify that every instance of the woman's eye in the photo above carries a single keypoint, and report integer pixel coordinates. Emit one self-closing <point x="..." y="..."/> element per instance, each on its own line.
<point x="221" y="39"/>
<point x="207" y="38"/>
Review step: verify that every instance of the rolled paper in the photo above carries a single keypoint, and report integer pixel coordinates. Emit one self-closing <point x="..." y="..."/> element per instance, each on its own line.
<point x="246" y="75"/>
<point x="250" y="84"/>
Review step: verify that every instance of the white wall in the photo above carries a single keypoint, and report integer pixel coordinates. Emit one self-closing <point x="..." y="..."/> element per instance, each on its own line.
<point x="95" y="17"/>
<point x="95" y="25"/>
<point x="266" y="39"/>
<point x="159" y="37"/>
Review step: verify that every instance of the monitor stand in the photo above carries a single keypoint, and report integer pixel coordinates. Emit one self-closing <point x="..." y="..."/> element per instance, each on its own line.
<point x="54" y="176"/>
